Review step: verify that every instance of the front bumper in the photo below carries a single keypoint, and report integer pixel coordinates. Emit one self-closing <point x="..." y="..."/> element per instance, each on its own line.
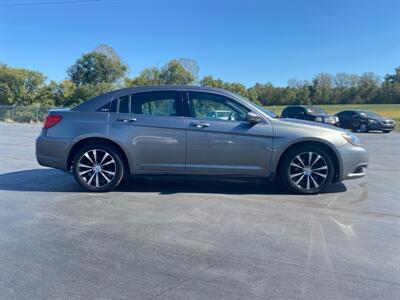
<point x="380" y="126"/>
<point x="354" y="162"/>
<point x="52" y="152"/>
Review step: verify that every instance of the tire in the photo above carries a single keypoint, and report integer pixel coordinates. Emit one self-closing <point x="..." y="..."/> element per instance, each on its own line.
<point x="386" y="131"/>
<point x="98" y="167"/>
<point x="307" y="176"/>
<point x="363" y="127"/>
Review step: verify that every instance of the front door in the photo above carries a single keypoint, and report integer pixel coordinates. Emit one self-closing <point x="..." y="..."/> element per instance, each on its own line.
<point x="221" y="141"/>
<point x="152" y="128"/>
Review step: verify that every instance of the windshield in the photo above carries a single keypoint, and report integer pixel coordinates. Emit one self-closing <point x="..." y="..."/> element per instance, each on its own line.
<point x="316" y="110"/>
<point x="369" y="114"/>
<point x="267" y="112"/>
<point x="263" y="109"/>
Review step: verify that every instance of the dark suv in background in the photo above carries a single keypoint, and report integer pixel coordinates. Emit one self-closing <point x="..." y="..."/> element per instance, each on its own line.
<point x="310" y="113"/>
<point x="364" y="121"/>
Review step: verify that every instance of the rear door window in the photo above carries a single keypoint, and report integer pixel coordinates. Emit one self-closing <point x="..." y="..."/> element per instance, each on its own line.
<point x="124" y="105"/>
<point x="162" y="103"/>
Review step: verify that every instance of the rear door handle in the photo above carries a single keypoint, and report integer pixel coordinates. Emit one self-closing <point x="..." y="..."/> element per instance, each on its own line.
<point x="127" y="120"/>
<point x="200" y="124"/>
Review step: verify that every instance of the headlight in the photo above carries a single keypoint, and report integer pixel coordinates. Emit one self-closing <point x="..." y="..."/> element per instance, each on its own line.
<point x="352" y="139"/>
<point x="330" y="120"/>
<point x="319" y="119"/>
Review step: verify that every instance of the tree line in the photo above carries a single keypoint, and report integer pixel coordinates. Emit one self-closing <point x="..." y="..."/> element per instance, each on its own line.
<point x="102" y="70"/>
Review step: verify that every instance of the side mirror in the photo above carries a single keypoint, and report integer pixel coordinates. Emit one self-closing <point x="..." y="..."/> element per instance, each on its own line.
<point x="253" y="117"/>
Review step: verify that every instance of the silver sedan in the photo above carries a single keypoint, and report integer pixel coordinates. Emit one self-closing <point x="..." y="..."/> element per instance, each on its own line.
<point x="172" y="130"/>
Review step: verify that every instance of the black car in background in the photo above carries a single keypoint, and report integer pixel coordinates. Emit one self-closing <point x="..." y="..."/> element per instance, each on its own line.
<point x="364" y="121"/>
<point x="310" y="113"/>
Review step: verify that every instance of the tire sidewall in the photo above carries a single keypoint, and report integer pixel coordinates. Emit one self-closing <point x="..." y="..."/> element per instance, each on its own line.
<point x="286" y="167"/>
<point x="118" y="164"/>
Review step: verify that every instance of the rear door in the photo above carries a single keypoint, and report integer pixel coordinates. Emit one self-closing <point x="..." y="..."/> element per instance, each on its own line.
<point x="225" y="143"/>
<point x="346" y="119"/>
<point x="151" y="126"/>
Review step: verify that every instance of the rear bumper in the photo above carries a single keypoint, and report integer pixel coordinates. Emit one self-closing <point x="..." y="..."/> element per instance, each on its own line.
<point x="52" y="152"/>
<point x="354" y="162"/>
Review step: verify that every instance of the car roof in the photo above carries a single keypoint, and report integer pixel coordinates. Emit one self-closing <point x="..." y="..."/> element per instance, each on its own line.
<point x="98" y="101"/>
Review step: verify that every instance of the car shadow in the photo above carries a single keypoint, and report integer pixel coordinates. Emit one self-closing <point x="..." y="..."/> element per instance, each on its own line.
<point x="52" y="180"/>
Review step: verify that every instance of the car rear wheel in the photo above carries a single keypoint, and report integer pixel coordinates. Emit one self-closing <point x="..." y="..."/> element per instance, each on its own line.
<point x="98" y="168"/>
<point x="386" y="131"/>
<point x="363" y="127"/>
<point x="307" y="170"/>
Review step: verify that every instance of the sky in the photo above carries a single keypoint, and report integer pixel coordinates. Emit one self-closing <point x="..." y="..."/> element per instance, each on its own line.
<point x="235" y="40"/>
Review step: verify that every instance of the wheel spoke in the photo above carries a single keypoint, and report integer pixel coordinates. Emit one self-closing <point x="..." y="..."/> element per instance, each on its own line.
<point x="108" y="172"/>
<point x="95" y="156"/>
<point x="320" y="168"/>
<point x="84" y="172"/>
<point x="319" y="174"/>
<point x="300" y="160"/>
<point x="297" y="174"/>
<point x="296" y="165"/>
<point x="317" y="159"/>
<point x="313" y="180"/>
<point x="107" y="163"/>
<point x="91" y="179"/>
<point x="104" y="158"/>
<point x="308" y="182"/>
<point x="89" y="158"/>
<point x="97" y="179"/>
<point x="302" y="176"/>
<point x="309" y="158"/>
<point x="105" y="177"/>
<point x="85" y="166"/>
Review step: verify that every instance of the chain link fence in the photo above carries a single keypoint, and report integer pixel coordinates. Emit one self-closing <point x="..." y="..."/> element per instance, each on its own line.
<point x="23" y="114"/>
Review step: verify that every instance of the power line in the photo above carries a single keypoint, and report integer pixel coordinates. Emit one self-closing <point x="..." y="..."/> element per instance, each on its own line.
<point x="26" y="3"/>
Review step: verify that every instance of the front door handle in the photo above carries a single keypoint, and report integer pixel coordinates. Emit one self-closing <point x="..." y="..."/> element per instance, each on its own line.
<point x="127" y="120"/>
<point x="200" y="124"/>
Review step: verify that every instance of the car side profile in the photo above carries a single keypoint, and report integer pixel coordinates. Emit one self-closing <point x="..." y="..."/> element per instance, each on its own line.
<point x="364" y="121"/>
<point x="168" y="130"/>
<point x="309" y="113"/>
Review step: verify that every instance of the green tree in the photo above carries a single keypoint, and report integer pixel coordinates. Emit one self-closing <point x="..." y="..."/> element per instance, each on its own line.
<point x="22" y="87"/>
<point x="174" y="73"/>
<point x="230" y="86"/>
<point x="97" y="67"/>
<point x="322" y="88"/>
<point x="177" y="71"/>
<point x="149" y="76"/>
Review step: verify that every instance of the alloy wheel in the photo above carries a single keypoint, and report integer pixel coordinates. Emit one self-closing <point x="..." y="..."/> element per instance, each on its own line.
<point x="308" y="170"/>
<point x="363" y="127"/>
<point x="96" y="168"/>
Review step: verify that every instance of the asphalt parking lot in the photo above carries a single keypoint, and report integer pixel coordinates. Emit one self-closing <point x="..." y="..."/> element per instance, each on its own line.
<point x="175" y="238"/>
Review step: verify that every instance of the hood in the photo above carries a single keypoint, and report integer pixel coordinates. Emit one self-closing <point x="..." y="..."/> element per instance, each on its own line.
<point x="327" y="115"/>
<point x="311" y="124"/>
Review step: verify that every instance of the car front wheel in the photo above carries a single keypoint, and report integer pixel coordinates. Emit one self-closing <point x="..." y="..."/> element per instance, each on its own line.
<point x="363" y="127"/>
<point x="98" y="168"/>
<point x="307" y="170"/>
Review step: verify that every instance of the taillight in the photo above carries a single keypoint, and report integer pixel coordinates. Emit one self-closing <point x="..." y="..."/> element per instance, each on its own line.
<point x="51" y="121"/>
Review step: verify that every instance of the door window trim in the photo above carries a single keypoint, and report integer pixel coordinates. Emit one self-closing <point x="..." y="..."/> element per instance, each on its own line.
<point x="179" y="100"/>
